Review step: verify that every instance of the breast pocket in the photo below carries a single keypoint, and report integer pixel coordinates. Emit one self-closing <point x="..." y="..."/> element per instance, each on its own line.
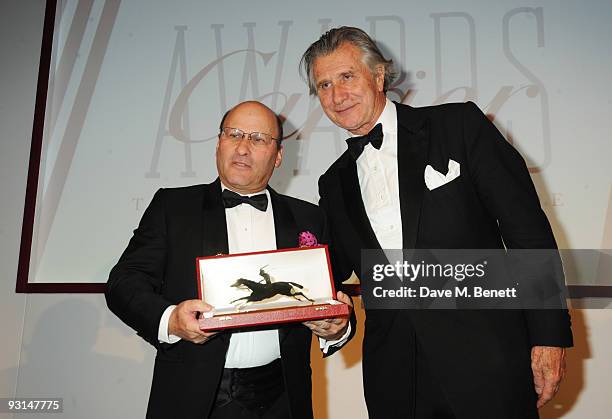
<point x="449" y="189"/>
<point x="445" y="208"/>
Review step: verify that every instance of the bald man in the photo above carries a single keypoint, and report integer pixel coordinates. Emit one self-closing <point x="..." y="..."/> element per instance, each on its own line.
<point x="233" y="374"/>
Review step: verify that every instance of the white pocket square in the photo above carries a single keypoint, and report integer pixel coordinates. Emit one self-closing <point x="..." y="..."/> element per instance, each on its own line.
<point x="435" y="179"/>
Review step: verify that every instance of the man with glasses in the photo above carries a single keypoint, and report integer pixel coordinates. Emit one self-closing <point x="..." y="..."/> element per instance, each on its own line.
<point x="246" y="374"/>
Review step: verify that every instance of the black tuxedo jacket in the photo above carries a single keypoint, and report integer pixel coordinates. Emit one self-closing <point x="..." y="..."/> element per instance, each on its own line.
<point x="481" y="359"/>
<point x="158" y="269"/>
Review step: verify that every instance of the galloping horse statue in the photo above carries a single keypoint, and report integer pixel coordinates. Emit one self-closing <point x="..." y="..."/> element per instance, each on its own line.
<point x="262" y="291"/>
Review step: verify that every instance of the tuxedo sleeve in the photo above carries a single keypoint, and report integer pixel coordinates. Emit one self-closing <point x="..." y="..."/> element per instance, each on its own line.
<point x="133" y="290"/>
<point x="505" y="187"/>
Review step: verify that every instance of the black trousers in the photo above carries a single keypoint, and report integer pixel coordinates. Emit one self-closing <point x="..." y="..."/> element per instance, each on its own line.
<point x="406" y="391"/>
<point x="252" y="393"/>
<point x="235" y="410"/>
<point x="429" y="401"/>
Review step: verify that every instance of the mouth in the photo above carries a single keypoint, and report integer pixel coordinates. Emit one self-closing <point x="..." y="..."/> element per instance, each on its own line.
<point x="345" y="110"/>
<point x="241" y="165"/>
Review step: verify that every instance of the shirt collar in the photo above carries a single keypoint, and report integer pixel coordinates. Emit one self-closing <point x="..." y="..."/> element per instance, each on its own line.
<point x="265" y="190"/>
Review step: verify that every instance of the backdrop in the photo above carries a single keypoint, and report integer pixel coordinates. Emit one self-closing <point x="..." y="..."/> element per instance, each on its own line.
<point x="541" y="69"/>
<point x="135" y="91"/>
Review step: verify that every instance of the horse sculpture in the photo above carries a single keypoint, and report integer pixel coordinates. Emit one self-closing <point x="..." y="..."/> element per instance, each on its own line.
<point x="268" y="289"/>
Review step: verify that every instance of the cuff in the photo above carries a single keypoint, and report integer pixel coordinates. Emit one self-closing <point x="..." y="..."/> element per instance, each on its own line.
<point x="326" y="344"/>
<point x="162" y="333"/>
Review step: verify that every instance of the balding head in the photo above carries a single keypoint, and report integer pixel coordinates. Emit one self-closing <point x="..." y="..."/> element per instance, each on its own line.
<point x="243" y="166"/>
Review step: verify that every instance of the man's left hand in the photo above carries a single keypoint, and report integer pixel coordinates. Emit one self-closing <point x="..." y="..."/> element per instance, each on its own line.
<point x="331" y="329"/>
<point x="548" y="366"/>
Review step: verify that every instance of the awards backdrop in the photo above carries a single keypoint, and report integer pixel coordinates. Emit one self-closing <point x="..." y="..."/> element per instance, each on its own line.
<point x="135" y="91"/>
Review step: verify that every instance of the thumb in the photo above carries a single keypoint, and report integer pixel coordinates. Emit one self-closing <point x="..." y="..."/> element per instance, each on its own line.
<point x="197" y="305"/>
<point x="340" y="296"/>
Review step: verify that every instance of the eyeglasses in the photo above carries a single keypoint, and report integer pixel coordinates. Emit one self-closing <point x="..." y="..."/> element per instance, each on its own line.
<point x="258" y="139"/>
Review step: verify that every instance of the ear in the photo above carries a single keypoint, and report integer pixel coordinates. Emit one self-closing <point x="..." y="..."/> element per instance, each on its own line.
<point x="379" y="77"/>
<point x="279" y="157"/>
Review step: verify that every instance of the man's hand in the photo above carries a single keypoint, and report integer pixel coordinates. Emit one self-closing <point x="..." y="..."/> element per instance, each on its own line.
<point x="548" y="365"/>
<point x="331" y="329"/>
<point x="183" y="321"/>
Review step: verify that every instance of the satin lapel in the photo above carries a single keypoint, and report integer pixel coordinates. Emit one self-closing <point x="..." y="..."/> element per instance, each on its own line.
<point x="354" y="206"/>
<point x="214" y="228"/>
<point x="214" y="225"/>
<point x="285" y="226"/>
<point x="286" y="231"/>
<point x="412" y="145"/>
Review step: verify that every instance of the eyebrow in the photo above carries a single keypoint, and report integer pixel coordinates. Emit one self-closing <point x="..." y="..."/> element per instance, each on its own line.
<point x="342" y="74"/>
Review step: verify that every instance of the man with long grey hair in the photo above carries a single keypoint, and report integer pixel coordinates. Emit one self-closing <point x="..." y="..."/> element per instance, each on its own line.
<point x="437" y="177"/>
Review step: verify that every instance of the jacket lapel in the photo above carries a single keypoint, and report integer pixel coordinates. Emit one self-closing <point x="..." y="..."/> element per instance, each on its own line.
<point x="285" y="226"/>
<point x="412" y="146"/>
<point x="214" y="225"/>
<point x="286" y="231"/>
<point x="214" y="228"/>
<point x="353" y="202"/>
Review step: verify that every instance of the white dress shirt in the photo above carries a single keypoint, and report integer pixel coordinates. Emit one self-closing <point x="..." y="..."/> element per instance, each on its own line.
<point x="379" y="183"/>
<point x="248" y="230"/>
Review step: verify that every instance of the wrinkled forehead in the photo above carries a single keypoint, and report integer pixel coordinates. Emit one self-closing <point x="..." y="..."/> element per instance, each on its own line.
<point x="346" y="58"/>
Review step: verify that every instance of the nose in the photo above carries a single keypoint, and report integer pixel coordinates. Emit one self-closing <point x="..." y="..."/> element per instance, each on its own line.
<point x="339" y="95"/>
<point x="243" y="147"/>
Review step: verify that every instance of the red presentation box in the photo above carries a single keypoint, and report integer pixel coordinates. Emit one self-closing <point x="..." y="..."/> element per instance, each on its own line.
<point x="264" y="288"/>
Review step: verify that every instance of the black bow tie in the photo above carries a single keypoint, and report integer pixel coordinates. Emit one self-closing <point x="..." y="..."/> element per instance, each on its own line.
<point x="357" y="144"/>
<point x="232" y="199"/>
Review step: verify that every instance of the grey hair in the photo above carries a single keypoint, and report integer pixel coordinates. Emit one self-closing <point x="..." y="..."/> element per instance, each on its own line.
<point x="332" y="40"/>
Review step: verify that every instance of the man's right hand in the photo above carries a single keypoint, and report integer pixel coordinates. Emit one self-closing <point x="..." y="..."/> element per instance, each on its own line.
<point x="183" y="321"/>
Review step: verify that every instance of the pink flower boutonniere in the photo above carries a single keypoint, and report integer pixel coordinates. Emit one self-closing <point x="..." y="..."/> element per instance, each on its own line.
<point x="307" y="239"/>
